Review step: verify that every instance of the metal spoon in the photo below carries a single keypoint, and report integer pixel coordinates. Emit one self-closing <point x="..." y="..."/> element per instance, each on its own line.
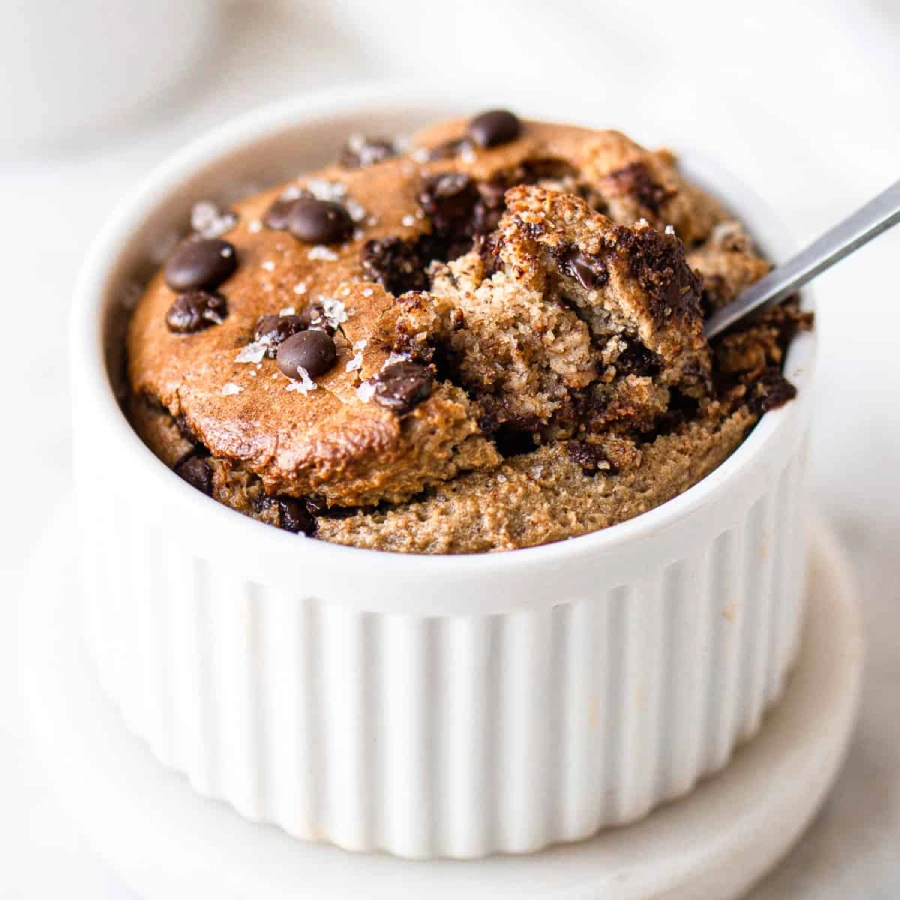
<point x="866" y="223"/>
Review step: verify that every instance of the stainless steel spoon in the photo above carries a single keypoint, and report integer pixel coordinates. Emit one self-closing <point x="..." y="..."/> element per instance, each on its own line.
<point x="866" y="223"/>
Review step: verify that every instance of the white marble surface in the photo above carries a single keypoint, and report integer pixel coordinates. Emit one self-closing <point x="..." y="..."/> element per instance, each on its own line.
<point x="802" y="106"/>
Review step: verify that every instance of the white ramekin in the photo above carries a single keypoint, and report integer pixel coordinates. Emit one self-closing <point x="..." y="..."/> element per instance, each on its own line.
<point x="426" y="706"/>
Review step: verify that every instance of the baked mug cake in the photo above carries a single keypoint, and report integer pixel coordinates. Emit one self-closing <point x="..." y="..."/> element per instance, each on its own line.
<point x="488" y="338"/>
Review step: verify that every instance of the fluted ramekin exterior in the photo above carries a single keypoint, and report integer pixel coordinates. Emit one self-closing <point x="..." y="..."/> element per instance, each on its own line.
<point x="430" y="707"/>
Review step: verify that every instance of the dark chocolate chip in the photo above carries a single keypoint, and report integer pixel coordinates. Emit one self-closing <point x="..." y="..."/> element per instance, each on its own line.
<point x="588" y="456"/>
<point x="319" y="221"/>
<point x="275" y="330"/>
<point x="200" y="264"/>
<point x="770" y="391"/>
<point x="403" y="385"/>
<point x="395" y="264"/>
<point x="194" y="311"/>
<point x="590" y="272"/>
<point x="197" y="472"/>
<point x="635" y="180"/>
<point x="313" y="351"/>
<point x="451" y="200"/>
<point x="277" y="216"/>
<point x="497" y="126"/>
<point x="636" y="359"/>
<point x="366" y="151"/>
<point x="294" y="516"/>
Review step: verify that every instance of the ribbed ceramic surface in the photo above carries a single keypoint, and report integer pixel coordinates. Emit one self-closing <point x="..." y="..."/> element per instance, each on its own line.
<point x="448" y="736"/>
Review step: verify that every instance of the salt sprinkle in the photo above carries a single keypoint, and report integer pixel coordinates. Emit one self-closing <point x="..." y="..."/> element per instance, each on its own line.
<point x="467" y="153"/>
<point x="268" y="265"/>
<point x="254" y="352"/>
<point x="355" y="364"/>
<point x="670" y="229"/>
<point x="367" y="292"/>
<point x="287" y="311"/>
<point x="226" y="251"/>
<point x="501" y="478"/>
<point x="300" y="287"/>
<point x="358" y="234"/>
<point x="291" y="192"/>
<point x="304" y="384"/>
<point x="334" y="313"/>
<point x="641" y="223"/>
<point x="357" y="211"/>
<point x="372" y="220"/>
<point x="320" y="251"/>
<point x="254" y="226"/>
<point x="208" y="221"/>
<point x="395" y="358"/>
<point x="231" y="388"/>
<point x="365" y="391"/>
<point x="322" y="189"/>
<point x="420" y="155"/>
<point x="408" y="221"/>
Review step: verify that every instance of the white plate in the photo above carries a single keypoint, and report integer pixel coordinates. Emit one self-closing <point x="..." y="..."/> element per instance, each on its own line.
<point x="169" y="843"/>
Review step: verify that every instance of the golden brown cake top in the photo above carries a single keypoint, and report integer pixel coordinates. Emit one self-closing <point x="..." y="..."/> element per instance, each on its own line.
<point x="380" y="326"/>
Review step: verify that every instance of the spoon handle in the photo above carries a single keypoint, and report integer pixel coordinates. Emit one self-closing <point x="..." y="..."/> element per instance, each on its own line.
<point x="866" y="223"/>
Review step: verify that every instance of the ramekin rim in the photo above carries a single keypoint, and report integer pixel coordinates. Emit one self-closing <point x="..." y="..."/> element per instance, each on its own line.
<point x="89" y="370"/>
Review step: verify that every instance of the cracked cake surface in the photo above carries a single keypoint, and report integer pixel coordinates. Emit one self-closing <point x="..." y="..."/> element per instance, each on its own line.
<point x="490" y="340"/>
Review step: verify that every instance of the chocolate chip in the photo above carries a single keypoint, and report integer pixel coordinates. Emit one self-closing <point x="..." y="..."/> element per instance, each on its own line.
<point x="589" y="271"/>
<point x="275" y="330"/>
<point x="395" y="264"/>
<point x="200" y="265"/>
<point x="403" y="385"/>
<point x="497" y="126"/>
<point x="635" y="180"/>
<point x="319" y="221"/>
<point x="366" y="151"/>
<point x="451" y="201"/>
<point x="294" y="516"/>
<point x="313" y="351"/>
<point x="278" y="214"/>
<point x="589" y="457"/>
<point x="194" y="311"/>
<point x="770" y="391"/>
<point x="197" y="472"/>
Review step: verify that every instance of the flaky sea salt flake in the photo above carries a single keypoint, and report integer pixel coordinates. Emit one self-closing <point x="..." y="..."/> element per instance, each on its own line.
<point x="334" y="312"/>
<point x="320" y="251"/>
<point x="304" y="384"/>
<point x="356" y="210"/>
<point x="208" y="221"/>
<point x="231" y="388"/>
<point x="322" y="189"/>
<point x="254" y="352"/>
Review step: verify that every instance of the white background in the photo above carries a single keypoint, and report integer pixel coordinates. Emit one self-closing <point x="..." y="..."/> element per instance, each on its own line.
<point x="801" y="101"/>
